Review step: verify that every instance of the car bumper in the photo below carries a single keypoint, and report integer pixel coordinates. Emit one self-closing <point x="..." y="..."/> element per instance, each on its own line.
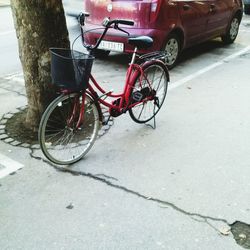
<point x="117" y="36"/>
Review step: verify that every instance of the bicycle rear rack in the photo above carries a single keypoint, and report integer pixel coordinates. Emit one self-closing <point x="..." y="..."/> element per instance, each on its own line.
<point x="156" y="55"/>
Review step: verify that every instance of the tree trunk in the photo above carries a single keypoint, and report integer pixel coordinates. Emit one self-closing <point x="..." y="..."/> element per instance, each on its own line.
<point x="40" y="24"/>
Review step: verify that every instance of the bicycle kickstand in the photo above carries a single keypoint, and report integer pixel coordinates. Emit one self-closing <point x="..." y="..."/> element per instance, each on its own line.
<point x="152" y="126"/>
<point x="105" y="122"/>
<point x="156" y="103"/>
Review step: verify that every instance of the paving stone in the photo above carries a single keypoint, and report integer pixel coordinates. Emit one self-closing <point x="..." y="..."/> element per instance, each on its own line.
<point x="8" y="140"/>
<point x="36" y="146"/>
<point x="15" y="143"/>
<point x="3" y="121"/>
<point x="8" y="115"/>
<point x="22" y="108"/>
<point x="25" y="145"/>
<point x="3" y="136"/>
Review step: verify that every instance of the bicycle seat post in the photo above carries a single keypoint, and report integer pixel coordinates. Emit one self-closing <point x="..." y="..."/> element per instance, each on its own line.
<point x="134" y="55"/>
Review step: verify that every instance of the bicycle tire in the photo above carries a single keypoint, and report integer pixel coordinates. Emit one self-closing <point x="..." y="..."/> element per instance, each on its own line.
<point x="61" y="142"/>
<point x="157" y="73"/>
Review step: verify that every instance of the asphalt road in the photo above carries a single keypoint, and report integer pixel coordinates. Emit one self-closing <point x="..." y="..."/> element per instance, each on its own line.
<point x="177" y="187"/>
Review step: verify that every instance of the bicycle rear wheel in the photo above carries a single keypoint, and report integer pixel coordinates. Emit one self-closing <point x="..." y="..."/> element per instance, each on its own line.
<point x="154" y="83"/>
<point x="61" y="140"/>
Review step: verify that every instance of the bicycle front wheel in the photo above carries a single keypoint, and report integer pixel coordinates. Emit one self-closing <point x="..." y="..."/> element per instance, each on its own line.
<point x="153" y="83"/>
<point x="62" y="138"/>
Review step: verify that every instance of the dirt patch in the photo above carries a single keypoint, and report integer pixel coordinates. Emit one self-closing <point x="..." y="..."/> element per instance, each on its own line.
<point x="16" y="129"/>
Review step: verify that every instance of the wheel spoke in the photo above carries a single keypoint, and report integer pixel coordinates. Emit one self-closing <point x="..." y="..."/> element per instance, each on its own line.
<point x="156" y="81"/>
<point x="61" y="141"/>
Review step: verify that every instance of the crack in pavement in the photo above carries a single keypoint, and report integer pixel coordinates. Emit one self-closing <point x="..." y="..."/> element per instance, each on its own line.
<point x="223" y="231"/>
<point x="163" y="204"/>
<point x="13" y="91"/>
<point x="241" y="238"/>
<point x="8" y="83"/>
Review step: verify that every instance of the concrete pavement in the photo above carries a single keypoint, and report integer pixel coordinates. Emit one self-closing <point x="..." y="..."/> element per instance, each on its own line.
<point x="193" y="185"/>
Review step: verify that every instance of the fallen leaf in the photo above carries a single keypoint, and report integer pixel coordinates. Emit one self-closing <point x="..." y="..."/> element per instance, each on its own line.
<point x="242" y="236"/>
<point x="225" y="230"/>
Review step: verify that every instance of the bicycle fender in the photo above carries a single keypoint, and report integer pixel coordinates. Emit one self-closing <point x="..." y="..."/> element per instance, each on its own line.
<point x="159" y="62"/>
<point x="95" y="101"/>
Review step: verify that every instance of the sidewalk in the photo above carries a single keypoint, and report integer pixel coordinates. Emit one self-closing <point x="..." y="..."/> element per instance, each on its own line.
<point x="180" y="186"/>
<point x="164" y="193"/>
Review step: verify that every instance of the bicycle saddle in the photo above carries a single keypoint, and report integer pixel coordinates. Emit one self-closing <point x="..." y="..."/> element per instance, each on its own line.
<point x="141" y="42"/>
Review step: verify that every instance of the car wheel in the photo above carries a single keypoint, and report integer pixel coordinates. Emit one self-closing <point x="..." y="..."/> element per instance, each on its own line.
<point x="172" y="47"/>
<point x="232" y="32"/>
<point x="100" y="53"/>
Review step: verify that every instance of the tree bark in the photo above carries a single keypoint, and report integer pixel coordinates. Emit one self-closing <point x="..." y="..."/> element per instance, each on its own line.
<point x="39" y="24"/>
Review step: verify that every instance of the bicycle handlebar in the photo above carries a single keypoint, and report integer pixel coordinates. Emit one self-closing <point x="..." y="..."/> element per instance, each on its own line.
<point x="107" y="23"/>
<point x="121" y="21"/>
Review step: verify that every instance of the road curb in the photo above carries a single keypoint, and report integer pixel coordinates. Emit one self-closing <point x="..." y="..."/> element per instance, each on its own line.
<point x="4" y="3"/>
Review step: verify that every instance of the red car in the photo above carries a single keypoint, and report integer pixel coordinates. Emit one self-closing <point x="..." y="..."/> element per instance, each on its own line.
<point x="173" y="24"/>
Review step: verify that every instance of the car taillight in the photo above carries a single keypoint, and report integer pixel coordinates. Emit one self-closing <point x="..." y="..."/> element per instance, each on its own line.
<point x="154" y="10"/>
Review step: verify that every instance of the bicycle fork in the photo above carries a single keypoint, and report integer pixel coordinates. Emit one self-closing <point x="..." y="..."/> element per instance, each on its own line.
<point x="75" y="111"/>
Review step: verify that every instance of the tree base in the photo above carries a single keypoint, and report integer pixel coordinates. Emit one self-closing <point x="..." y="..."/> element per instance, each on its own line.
<point x="17" y="129"/>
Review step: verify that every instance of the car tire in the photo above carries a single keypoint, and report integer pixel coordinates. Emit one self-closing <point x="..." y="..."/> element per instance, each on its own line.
<point x="247" y="9"/>
<point x="100" y="53"/>
<point x="232" y="31"/>
<point x="172" y="47"/>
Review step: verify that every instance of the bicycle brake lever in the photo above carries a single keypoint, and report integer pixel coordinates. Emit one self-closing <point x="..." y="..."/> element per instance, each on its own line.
<point x="122" y="30"/>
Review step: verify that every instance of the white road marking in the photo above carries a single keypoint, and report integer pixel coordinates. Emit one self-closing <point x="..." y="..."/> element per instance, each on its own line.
<point x="206" y="69"/>
<point x="9" y="166"/>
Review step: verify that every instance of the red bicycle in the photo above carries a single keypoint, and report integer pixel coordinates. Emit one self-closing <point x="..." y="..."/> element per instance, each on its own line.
<point x="70" y="124"/>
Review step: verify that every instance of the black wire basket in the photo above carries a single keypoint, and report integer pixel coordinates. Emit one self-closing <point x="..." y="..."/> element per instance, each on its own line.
<point x="70" y="69"/>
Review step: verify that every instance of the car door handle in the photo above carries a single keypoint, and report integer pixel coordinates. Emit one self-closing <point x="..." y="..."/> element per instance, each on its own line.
<point x="186" y="7"/>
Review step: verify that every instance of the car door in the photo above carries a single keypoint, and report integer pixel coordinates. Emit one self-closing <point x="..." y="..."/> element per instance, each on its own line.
<point x="194" y="17"/>
<point x="219" y="16"/>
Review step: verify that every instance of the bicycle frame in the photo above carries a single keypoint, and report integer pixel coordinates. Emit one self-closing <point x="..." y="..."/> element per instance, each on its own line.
<point x="70" y="124"/>
<point x="133" y="72"/>
<point x="124" y="103"/>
